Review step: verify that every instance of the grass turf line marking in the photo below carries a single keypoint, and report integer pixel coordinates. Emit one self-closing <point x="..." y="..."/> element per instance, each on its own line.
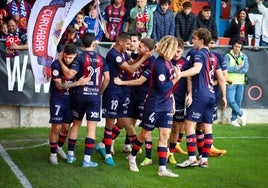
<point x="19" y="174"/>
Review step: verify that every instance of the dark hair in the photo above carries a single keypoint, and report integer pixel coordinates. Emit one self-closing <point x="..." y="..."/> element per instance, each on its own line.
<point x="87" y="39"/>
<point x="123" y="36"/>
<point x="206" y="8"/>
<point x="70" y="29"/>
<point x="69" y="49"/>
<point x="149" y="43"/>
<point x="238" y="41"/>
<point x="187" y="4"/>
<point x="136" y="34"/>
<point x="162" y="2"/>
<point x="247" y="17"/>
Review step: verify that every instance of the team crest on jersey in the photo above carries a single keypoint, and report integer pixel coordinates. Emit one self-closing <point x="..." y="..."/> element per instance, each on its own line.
<point x="118" y="59"/>
<point x="55" y="72"/>
<point x="162" y="77"/>
<point x="122" y="13"/>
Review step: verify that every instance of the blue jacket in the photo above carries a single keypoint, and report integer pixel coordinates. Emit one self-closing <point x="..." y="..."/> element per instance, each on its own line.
<point x="164" y="24"/>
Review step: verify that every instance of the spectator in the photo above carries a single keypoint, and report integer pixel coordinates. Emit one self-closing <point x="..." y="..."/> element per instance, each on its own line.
<point x="69" y="36"/>
<point x="115" y="17"/>
<point x="94" y="23"/>
<point x="103" y="4"/>
<point x="255" y="16"/>
<point x="205" y="20"/>
<point x="129" y="4"/>
<point x="79" y="24"/>
<point x="237" y="66"/>
<point x="235" y="6"/>
<point x="3" y="30"/>
<point x="163" y="21"/>
<point x="16" y="38"/>
<point x="3" y="15"/>
<point x="264" y="11"/>
<point x="20" y="10"/>
<point x="185" y="23"/>
<point x="241" y="27"/>
<point x="152" y="4"/>
<point x="141" y="19"/>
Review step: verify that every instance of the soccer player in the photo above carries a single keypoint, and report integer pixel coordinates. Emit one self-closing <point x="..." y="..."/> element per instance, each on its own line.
<point x="205" y="68"/>
<point x="116" y="99"/>
<point x="61" y="101"/>
<point x="183" y="95"/>
<point x="87" y="98"/>
<point x="139" y="92"/>
<point x="158" y="106"/>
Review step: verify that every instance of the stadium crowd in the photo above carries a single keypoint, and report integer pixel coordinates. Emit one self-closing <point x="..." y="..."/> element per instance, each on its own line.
<point x="172" y="93"/>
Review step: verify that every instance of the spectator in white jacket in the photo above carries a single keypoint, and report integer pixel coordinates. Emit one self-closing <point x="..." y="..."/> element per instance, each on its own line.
<point x="264" y="10"/>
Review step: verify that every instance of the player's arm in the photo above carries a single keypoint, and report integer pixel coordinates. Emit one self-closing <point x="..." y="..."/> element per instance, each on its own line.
<point x="106" y="80"/>
<point x="188" y="98"/>
<point x="193" y="70"/>
<point x="68" y="73"/>
<point x="135" y="82"/>
<point x="61" y="86"/>
<point x="133" y="67"/>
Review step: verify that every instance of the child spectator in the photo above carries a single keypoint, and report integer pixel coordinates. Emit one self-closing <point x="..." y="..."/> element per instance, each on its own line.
<point x="94" y="23"/>
<point x="3" y="30"/>
<point x="141" y="19"/>
<point x="3" y="15"/>
<point x="205" y="20"/>
<point x="115" y="17"/>
<point x="185" y="23"/>
<point x="79" y="24"/>
<point x="163" y="21"/>
<point x="241" y="27"/>
<point x="69" y="36"/>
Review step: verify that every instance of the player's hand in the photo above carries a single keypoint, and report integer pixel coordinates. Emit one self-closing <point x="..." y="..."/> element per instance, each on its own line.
<point x="224" y="102"/>
<point x="188" y="100"/>
<point x="83" y="81"/>
<point x="118" y="81"/>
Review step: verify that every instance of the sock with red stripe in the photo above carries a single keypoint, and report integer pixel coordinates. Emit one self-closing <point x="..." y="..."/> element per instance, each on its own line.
<point x="62" y="138"/>
<point x="136" y="147"/>
<point x="199" y="141"/>
<point x="71" y="144"/>
<point x="53" y="147"/>
<point x="162" y="154"/>
<point x="172" y="147"/>
<point x="108" y="140"/>
<point x="131" y="138"/>
<point x="207" y="145"/>
<point x="89" y="145"/>
<point x="115" y="131"/>
<point x="148" y="149"/>
<point x="127" y="142"/>
<point x="180" y="137"/>
<point x="191" y="144"/>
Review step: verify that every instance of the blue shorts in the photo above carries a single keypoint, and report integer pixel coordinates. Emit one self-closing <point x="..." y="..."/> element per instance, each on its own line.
<point x="180" y="109"/>
<point x="137" y="104"/>
<point x="152" y="120"/>
<point x="117" y="106"/>
<point x="201" y="110"/>
<point x="60" y="113"/>
<point x="84" y="105"/>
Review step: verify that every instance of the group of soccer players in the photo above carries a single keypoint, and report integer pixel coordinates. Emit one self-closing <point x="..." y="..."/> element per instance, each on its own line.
<point x="169" y="92"/>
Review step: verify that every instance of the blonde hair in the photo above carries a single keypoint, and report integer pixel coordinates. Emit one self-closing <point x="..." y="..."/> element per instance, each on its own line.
<point x="167" y="47"/>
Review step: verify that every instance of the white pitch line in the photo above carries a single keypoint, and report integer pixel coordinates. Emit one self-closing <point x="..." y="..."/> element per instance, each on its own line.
<point x="19" y="174"/>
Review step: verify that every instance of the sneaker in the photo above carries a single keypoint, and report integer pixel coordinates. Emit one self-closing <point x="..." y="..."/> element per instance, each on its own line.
<point x="167" y="173"/>
<point x="61" y="153"/>
<point x="235" y="124"/>
<point x="171" y="158"/>
<point x="53" y="159"/>
<point x="179" y="149"/>
<point x="100" y="150"/>
<point x="140" y="151"/>
<point x="110" y="161"/>
<point x="70" y="159"/>
<point x="146" y="162"/>
<point x="214" y="152"/>
<point x="203" y="164"/>
<point x="244" y="119"/>
<point x="127" y="148"/>
<point x="188" y="163"/>
<point x="132" y="165"/>
<point x="89" y="164"/>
